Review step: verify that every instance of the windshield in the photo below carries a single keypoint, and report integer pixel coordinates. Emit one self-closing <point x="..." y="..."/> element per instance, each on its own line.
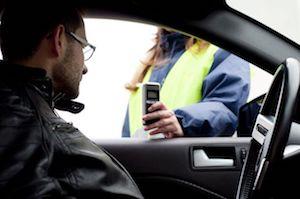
<point x="282" y="16"/>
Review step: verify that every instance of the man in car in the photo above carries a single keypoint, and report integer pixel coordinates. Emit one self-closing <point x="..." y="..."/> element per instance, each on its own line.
<point x="42" y="156"/>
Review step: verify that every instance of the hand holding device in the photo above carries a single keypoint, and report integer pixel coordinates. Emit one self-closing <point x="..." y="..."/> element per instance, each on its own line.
<point x="168" y="125"/>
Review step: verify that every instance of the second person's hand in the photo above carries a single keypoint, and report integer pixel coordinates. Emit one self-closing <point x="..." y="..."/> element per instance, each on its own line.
<point x="167" y="121"/>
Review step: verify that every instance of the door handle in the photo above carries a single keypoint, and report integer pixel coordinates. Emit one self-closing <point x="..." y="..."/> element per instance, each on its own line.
<point x="202" y="160"/>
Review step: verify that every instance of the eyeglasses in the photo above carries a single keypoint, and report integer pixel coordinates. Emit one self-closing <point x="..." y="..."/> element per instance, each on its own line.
<point x="87" y="48"/>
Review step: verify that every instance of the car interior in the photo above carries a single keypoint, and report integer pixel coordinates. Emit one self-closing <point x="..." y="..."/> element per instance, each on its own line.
<point x="262" y="160"/>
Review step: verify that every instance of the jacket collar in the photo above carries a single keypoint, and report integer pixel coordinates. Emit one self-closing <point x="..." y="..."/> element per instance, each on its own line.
<point x="172" y="42"/>
<point x="21" y="73"/>
<point x="42" y="84"/>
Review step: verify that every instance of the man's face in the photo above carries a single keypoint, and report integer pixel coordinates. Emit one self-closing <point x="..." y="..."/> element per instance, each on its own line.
<point x="67" y="74"/>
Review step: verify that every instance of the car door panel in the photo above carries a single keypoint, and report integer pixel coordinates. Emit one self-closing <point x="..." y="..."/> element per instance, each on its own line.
<point x="164" y="166"/>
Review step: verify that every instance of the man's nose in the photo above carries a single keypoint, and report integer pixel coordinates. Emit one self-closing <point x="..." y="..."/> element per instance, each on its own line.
<point x="85" y="70"/>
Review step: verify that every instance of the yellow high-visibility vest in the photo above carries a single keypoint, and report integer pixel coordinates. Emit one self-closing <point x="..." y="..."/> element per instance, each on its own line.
<point x="182" y="86"/>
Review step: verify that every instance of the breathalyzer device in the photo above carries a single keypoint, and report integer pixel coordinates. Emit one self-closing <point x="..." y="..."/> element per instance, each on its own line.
<point x="150" y="95"/>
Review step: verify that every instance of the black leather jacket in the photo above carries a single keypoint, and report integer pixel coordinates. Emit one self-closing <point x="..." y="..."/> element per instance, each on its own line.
<point x="42" y="156"/>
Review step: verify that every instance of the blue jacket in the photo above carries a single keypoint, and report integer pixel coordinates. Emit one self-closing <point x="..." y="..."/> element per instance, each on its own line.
<point x="225" y="89"/>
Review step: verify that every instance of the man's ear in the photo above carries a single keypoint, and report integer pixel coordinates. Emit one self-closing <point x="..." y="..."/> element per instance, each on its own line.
<point x="58" y="41"/>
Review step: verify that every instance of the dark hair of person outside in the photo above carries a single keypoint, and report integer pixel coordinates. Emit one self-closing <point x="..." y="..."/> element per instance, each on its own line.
<point x="156" y="57"/>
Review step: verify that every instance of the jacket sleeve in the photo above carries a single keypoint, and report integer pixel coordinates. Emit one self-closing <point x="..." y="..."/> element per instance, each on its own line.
<point x="23" y="156"/>
<point x="225" y="89"/>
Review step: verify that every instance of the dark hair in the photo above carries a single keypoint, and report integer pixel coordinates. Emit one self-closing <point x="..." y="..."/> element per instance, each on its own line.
<point x="24" y="26"/>
<point x="157" y="58"/>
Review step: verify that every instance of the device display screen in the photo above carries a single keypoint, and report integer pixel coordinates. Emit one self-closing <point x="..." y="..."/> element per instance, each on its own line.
<point x="152" y="94"/>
